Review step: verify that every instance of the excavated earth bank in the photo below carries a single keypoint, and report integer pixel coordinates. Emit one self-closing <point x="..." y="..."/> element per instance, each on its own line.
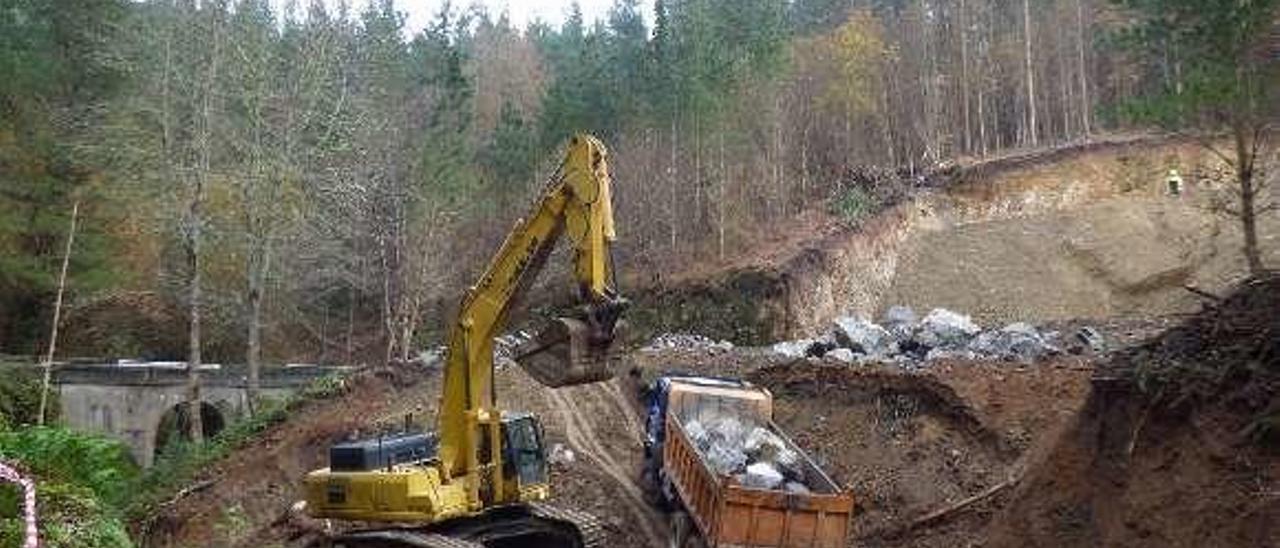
<point x="1178" y="445"/>
<point x="1081" y="232"/>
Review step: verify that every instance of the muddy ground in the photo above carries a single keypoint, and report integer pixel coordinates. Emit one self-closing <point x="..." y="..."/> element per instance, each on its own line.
<point x="904" y="443"/>
<point x="956" y="454"/>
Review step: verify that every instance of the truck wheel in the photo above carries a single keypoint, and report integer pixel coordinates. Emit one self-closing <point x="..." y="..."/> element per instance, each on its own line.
<point x="683" y="533"/>
<point x="667" y="491"/>
<point x="680" y="530"/>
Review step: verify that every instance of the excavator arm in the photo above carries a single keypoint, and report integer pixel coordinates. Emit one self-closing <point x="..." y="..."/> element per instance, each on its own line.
<point x="572" y="350"/>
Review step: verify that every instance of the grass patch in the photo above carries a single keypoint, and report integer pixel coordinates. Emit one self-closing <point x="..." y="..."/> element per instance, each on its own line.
<point x="853" y="203"/>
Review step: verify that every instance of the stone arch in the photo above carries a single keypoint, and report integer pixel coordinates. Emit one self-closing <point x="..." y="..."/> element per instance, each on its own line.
<point x="173" y="424"/>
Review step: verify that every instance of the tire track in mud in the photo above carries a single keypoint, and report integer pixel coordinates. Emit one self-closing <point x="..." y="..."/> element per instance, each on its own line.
<point x="624" y="407"/>
<point x="581" y="435"/>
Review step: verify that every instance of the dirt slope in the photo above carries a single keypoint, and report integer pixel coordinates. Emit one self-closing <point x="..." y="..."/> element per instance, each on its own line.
<point x="1077" y="232"/>
<point x="1173" y="447"/>
<point x="1128" y="256"/>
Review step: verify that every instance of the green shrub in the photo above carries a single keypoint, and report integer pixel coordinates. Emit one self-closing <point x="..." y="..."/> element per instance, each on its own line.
<point x="20" y="396"/>
<point x="81" y="479"/>
<point x="853" y="203"/>
<point x="99" y="464"/>
<point x="69" y="516"/>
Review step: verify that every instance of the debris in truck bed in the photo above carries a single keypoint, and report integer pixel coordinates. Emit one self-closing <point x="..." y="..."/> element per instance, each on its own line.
<point x="761" y="475"/>
<point x="731" y="447"/>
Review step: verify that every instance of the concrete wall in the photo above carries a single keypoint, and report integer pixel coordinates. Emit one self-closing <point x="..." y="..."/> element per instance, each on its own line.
<point x="128" y="403"/>
<point x="132" y="414"/>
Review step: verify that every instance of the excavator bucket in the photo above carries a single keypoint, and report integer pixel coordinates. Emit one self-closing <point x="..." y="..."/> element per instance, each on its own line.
<point x="570" y="351"/>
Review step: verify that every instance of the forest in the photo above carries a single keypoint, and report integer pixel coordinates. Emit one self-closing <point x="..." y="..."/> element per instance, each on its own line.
<point x="317" y="182"/>
<point x="269" y="182"/>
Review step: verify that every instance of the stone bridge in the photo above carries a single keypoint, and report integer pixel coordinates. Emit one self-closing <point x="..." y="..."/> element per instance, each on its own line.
<point x="142" y="404"/>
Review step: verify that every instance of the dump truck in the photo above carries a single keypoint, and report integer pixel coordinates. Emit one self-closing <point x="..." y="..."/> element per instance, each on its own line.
<point x="728" y="476"/>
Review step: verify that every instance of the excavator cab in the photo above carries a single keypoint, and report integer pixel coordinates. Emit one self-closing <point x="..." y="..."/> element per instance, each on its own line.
<point x="577" y="350"/>
<point x="525" y="456"/>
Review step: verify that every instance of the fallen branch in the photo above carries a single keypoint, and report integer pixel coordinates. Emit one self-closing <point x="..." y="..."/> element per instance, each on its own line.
<point x="187" y="491"/>
<point x="150" y="522"/>
<point x="1137" y="428"/>
<point x="947" y="512"/>
<point x="1202" y="293"/>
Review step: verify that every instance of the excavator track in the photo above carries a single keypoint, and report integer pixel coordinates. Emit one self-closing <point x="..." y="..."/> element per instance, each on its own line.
<point x="399" y="538"/>
<point x="589" y="528"/>
<point x="533" y="525"/>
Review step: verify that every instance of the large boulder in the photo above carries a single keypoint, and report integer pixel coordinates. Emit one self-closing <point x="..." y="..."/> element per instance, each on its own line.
<point x="1092" y="339"/>
<point x="900" y="321"/>
<point x="863" y="337"/>
<point x="842" y="355"/>
<point x="1016" y="342"/>
<point x="792" y="349"/>
<point x="945" y="329"/>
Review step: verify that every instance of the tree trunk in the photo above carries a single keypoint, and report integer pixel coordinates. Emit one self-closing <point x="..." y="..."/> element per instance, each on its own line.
<point x="1246" y="155"/>
<point x="724" y="185"/>
<point x="1064" y="83"/>
<point x="1032" y="136"/>
<point x="259" y="266"/>
<point x="195" y="221"/>
<point x="886" y="126"/>
<point x="982" y="122"/>
<point x="930" y="114"/>
<point x="964" y="78"/>
<point x="57" y="316"/>
<point x="697" y="173"/>
<point x="351" y="321"/>
<point x="671" y="182"/>
<point x="804" y="161"/>
<point x="195" y="422"/>
<point x="1084" y="70"/>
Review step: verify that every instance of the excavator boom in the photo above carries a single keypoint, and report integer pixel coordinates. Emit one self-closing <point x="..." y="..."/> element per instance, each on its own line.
<point x="573" y="350"/>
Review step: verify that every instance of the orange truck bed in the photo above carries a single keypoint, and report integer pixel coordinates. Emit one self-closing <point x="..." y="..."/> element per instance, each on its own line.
<point x="729" y="514"/>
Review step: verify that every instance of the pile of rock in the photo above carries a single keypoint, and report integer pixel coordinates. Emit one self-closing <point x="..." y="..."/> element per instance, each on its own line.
<point x="685" y="341"/>
<point x="505" y="346"/>
<point x="749" y="453"/>
<point x="903" y="339"/>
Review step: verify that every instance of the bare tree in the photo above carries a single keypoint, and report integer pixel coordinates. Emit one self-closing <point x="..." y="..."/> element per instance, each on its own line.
<point x="57" y="314"/>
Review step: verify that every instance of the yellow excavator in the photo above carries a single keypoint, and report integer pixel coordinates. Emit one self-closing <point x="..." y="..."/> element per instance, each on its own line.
<point x="481" y="477"/>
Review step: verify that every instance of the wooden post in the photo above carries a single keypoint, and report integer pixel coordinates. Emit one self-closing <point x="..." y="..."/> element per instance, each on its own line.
<point x="57" y="314"/>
